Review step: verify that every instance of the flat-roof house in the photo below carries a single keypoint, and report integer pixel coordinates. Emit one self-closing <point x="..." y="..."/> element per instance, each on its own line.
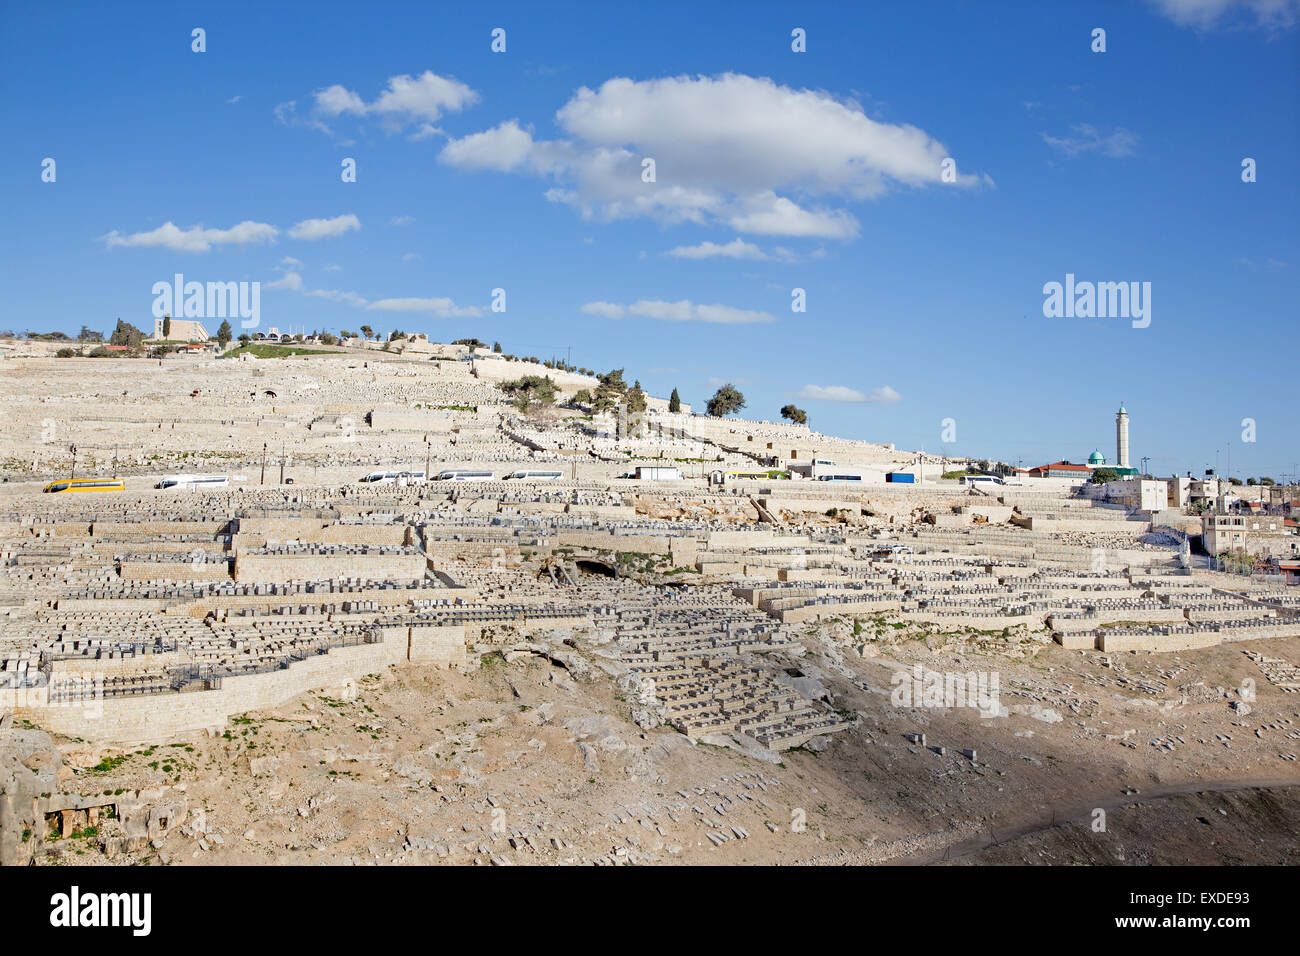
<point x="1060" y="469"/>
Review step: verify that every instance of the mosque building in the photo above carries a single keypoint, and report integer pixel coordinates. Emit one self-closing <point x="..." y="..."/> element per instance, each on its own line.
<point x="1066" y="469"/>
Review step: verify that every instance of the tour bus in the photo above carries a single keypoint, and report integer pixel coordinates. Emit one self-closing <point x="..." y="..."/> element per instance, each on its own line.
<point x="839" y="477"/>
<point x="463" y="474"/>
<point x="773" y="475"/>
<point x="535" y="475"/>
<point x="656" y="473"/>
<point x="194" y="482"/>
<point x="85" y="484"/>
<point x="969" y="480"/>
<point x="394" y="477"/>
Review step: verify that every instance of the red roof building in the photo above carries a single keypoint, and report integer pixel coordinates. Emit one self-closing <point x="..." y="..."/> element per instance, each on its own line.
<point x="1060" y="469"/>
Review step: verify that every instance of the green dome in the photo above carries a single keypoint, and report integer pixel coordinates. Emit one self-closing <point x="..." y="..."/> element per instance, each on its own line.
<point x="1097" y="458"/>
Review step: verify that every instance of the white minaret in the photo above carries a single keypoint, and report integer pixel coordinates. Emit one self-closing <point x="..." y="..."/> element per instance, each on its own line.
<point x="1121" y="438"/>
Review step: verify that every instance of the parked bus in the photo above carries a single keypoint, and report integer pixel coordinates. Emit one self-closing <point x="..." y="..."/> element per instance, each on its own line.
<point x="657" y="473"/>
<point x="394" y="477"/>
<point x="535" y="475"/>
<point x="463" y="474"/>
<point x="980" y="480"/>
<point x="85" y="484"/>
<point x="772" y="475"/>
<point x="839" y="477"/>
<point x="194" y="482"/>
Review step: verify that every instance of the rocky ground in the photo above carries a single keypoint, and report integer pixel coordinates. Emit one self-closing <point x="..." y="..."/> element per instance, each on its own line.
<point x="519" y="763"/>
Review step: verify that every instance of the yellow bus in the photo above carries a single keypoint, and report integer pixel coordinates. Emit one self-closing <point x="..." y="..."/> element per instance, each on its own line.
<point x="85" y="484"/>
<point x="770" y="475"/>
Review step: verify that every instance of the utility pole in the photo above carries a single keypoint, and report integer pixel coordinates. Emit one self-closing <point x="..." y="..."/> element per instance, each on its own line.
<point x="263" y="481"/>
<point x="73" y="474"/>
<point x="428" y="457"/>
<point x="114" y="459"/>
<point x="281" y="462"/>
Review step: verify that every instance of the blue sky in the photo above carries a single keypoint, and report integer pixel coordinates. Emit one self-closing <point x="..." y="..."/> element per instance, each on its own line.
<point x="774" y="170"/>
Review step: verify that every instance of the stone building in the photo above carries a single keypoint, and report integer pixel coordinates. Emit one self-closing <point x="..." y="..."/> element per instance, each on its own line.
<point x="181" y="330"/>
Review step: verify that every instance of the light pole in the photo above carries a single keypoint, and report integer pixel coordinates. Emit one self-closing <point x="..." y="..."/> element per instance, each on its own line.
<point x="281" y="462"/>
<point x="263" y="481"/>
<point x="428" y="457"/>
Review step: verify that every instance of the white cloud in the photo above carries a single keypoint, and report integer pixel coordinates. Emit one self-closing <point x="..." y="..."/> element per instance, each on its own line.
<point x="334" y="295"/>
<point x="401" y="220"/>
<point x="441" y="307"/>
<point x="730" y="149"/>
<point x="767" y="135"/>
<point x="1088" y="139"/>
<point x="501" y="148"/>
<point x="286" y="114"/>
<point x="608" y="310"/>
<point x="772" y="215"/>
<point x="842" y="393"/>
<point x="310" y="229"/>
<point x="407" y="99"/>
<point x="681" y="311"/>
<point x="884" y="395"/>
<point x="411" y="257"/>
<point x="1205" y="14"/>
<point x="234" y="99"/>
<point x="335" y="99"/>
<point x="426" y="131"/>
<point x="195" y="238"/>
<point x="830" y="393"/>
<point x="290" y="280"/>
<point x="1254" y="266"/>
<point x="290" y="262"/>
<point x="736" y="249"/>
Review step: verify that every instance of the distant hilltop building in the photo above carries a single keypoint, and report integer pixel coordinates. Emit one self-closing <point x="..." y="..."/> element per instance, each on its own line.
<point x="181" y="330"/>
